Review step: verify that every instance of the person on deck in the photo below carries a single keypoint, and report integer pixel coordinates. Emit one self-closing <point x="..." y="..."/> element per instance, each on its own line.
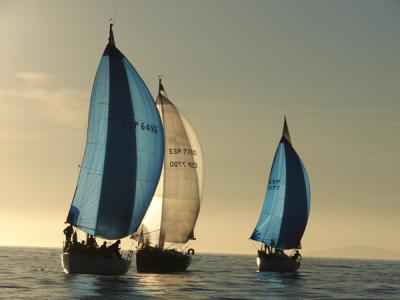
<point x="115" y="249"/>
<point x="82" y="247"/>
<point x="279" y="253"/>
<point x="91" y="242"/>
<point x="74" y="246"/>
<point x="91" y="245"/>
<point x="103" y="249"/>
<point x="68" y="231"/>
<point x="296" y="255"/>
<point x="75" y="238"/>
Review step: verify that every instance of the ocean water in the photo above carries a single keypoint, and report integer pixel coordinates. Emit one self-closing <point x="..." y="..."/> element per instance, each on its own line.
<point x="33" y="273"/>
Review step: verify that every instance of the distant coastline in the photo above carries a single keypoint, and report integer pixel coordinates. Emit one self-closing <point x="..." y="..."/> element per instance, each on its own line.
<point x="356" y="252"/>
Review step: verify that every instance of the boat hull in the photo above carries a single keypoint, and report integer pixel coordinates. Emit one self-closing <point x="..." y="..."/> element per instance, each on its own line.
<point x="84" y="264"/>
<point x="274" y="263"/>
<point x="154" y="260"/>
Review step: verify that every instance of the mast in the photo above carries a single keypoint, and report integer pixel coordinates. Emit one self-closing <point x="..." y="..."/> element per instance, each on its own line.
<point x="285" y="132"/>
<point x="111" y="34"/>
<point x="161" y="93"/>
<point x="160" y="86"/>
<point x="161" y="89"/>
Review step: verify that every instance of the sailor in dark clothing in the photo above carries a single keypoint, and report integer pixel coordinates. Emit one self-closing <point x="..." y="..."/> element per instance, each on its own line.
<point x="91" y="245"/>
<point x="74" y="238"/>
<point x="103" y="246"/>
<point x="91" y="242"/>
<point x="82" y="249"/>
<point x="115" y="248"/>
<point x="103" y="249"/>
<point x="74" y="246"/>
<point x="280" y="254"/>
<point x="296" y="255"/>
<point x="68" y="231"/>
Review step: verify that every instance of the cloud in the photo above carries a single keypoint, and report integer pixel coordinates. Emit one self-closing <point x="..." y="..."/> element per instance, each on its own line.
<point x="30" y="107"/>
<point x="64" y="107"/>
<point x="34" y="77"/>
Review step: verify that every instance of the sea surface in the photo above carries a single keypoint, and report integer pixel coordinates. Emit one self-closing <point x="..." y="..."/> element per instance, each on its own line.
<point x="36" y="273"/>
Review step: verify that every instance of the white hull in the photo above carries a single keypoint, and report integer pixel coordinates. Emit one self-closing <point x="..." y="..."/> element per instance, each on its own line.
<point x="84" y="264"/>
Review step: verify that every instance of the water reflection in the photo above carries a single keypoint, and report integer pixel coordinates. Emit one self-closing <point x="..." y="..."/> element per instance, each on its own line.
<point x="154" y="285"/>
<point x="106" y="287"/>
<point x="279" y="275"/>
<point x="280" y="280"/>
<point x="111" y="286"/>
<point x="150" y="286"/>
<point x="207" y="276"/>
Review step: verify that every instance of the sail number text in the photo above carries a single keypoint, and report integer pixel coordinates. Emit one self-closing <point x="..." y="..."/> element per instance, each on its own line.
<point x="182" y="164"/>
<point x="183" y="151"/>
<point x="273" y="184"/>
<point x="143" y="126"/>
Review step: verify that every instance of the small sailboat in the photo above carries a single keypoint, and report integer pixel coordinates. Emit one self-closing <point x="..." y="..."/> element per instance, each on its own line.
<point x="170" y="220"/>
<point x="284" y="215"/>
<point x="121" y="166"/>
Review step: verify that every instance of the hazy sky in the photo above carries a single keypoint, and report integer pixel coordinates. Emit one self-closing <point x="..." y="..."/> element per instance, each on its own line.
<point x="234" y="68"/>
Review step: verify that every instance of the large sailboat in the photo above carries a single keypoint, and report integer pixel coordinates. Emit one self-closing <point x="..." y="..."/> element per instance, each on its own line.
<point x="284" y="215"/>
<point x="169" y="223"/>
<point x="121" y="166"/>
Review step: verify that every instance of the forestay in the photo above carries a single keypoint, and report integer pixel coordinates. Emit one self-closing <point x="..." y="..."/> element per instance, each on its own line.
<point x="286" y="206"/>
<point x="124" y="151"/>
<point x="173" y="212"/>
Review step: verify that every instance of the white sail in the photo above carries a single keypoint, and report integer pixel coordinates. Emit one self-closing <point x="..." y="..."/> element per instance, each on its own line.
<point x="173" y="211"/>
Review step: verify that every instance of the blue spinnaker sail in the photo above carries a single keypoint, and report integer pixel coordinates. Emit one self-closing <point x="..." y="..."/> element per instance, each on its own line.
<point x="286" y="206"/>
<point x="124" y="151"/>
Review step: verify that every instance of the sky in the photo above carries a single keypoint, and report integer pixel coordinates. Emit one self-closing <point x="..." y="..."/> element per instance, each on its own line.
<point x="235" y="68"/>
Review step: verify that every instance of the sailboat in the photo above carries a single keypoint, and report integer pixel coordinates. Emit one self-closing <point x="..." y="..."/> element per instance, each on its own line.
<point x="284" y="215"/>
<point x="170" y="220"/>
<point x="122" y="162"/>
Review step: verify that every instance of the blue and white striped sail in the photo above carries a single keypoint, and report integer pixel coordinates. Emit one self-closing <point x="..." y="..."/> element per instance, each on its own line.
<point x="124" y="151"/>
<point x="286" y="207"/>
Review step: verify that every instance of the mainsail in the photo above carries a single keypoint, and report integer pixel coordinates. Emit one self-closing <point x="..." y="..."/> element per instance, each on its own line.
<point x="124" y="151"/>
<point x="174" y="209"/>
<point x="286" y="206"/>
